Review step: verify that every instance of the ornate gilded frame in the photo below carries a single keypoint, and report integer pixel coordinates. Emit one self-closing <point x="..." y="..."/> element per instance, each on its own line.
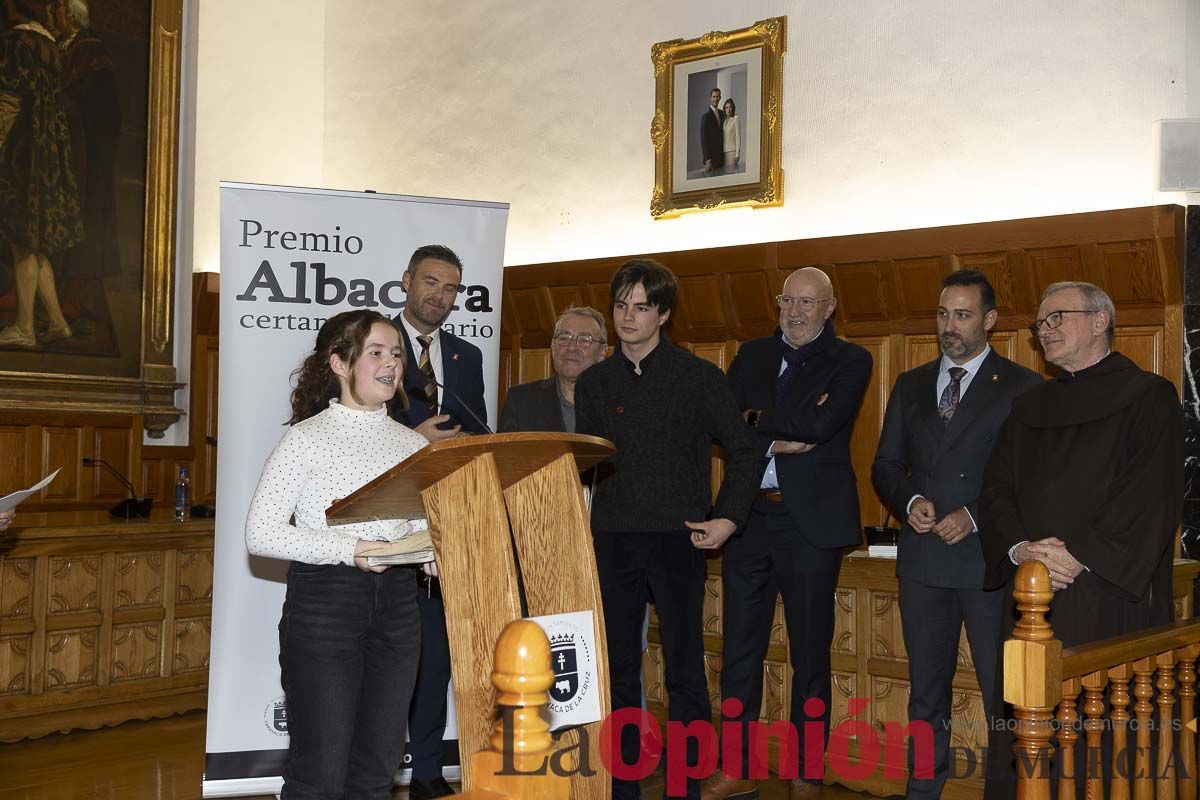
<point x="152" y="392"/>
<point x="769" y="35"/>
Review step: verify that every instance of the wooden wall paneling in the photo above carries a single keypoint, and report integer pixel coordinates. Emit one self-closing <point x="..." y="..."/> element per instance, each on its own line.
<point x="62" y="446"/>
<point x="15" y="457"/>
<point x="861" y="294"/>
<point x="865" y="435"/>
<point x="1054" y="264"/>
<point x="704" y="311"/>
<point x="533" y="365"/>
<point x="752" y="297"/>
<point x="1003" y="278"/>
<point x="1143" y="346"/>
<point x="1130" y="273"/>
<point x="920" y="284"/>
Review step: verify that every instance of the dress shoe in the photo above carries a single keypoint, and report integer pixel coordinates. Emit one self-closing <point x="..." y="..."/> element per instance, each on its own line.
<point x="427" y="790"/>
<point x="57" y="334"/>
<point x="803" y="790"/>
<point x="720" y="786"/>
<point x="12" y="336"/>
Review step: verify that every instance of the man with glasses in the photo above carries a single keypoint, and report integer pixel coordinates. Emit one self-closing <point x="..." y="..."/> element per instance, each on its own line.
<point x="801" y="389"/>
<point x="1086" y="477"/>
<point x="549" y="404"/>
<point x="941" y="422"/>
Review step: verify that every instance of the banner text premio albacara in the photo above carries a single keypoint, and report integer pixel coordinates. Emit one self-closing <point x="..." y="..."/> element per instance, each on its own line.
<point x="318" y="282"/>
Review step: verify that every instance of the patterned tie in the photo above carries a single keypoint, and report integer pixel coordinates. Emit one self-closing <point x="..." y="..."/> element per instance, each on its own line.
<point x="949" y="402"/>
<point x="431" y="393"/>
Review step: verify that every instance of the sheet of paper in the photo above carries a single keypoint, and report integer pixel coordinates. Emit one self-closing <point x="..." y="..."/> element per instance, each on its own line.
<point x="16" y="498"/>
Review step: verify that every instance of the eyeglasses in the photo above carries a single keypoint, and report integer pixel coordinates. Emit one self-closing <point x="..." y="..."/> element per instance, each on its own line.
<point x="565" y="339"/>
<point x="1054" y="319"/>
<point x="804" y="303"/>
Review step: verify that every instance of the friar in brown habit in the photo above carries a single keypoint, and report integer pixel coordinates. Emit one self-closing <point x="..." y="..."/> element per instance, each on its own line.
<point x="1086" y="477"/>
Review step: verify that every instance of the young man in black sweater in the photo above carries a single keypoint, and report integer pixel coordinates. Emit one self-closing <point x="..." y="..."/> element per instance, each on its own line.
<point x="652" y="515"/>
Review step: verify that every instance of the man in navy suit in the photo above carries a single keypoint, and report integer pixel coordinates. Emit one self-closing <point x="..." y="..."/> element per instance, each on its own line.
<point x="432" y="282"/>
<point x="941" y="422"/>
<point x="801" y="389"/>
<point x="712" y="133"/>
<point x="549" y="404"/>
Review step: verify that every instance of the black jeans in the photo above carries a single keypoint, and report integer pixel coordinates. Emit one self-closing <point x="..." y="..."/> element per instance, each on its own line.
<point x="767" y="558"/>
<point x="348" y="648"/>
<point x="631" y="566"/>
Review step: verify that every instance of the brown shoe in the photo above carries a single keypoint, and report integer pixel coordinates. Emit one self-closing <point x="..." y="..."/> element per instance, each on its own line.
<point x="720" y="786"/>
<point x="803" y="790"/>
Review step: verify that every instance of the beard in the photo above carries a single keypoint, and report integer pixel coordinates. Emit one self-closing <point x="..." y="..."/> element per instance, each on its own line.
<point x="429" y="315"/>
<point x="954" y="346"/>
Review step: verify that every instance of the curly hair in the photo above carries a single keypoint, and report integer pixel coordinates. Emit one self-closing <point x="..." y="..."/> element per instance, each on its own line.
<point x="343" y="334"/>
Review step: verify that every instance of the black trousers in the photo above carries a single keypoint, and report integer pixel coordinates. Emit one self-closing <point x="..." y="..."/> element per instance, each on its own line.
<point x="632" y="567"/>
<point x="767" y="558"/>
<point x="932" y="618"/>
<point x="348" y="643"/>
<point x="427" y="719"/>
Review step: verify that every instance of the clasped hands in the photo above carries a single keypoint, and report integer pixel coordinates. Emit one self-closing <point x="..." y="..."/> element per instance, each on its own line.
<point x="1051" y="551"/>
<point x="952" y="529"/>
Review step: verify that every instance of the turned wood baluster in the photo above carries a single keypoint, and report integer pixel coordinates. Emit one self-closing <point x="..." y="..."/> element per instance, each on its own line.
<point x="1033" y="680"/>
<point x="521" y="675"/>
<point x="1187" y="718"/>
<point x="1165" y="774"/>
<point x="1143" y="690"/>
<point x="1067" y="719"/>
<point x="1119" y="699"/>
<point x="1093" y="731"/>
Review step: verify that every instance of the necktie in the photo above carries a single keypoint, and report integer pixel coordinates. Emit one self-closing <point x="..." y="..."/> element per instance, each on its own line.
<point x="949" y="402"/>
<point x="431" y="393"/>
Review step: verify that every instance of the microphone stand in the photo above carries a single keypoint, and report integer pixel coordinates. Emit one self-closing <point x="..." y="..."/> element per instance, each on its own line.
<point x="433" y="382"/>
<point x="130" y="507"/>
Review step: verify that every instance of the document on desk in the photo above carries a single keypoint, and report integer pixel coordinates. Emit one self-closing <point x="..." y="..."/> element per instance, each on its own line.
<point x="15" y="499"/>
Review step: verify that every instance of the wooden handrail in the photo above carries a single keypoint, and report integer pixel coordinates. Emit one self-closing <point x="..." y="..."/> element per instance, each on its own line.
<point x="1087" y="658"/>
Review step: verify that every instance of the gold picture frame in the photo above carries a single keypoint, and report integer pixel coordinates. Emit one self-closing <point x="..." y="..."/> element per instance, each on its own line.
<point x="139" y="377"/>
<point x="745" y="66"/>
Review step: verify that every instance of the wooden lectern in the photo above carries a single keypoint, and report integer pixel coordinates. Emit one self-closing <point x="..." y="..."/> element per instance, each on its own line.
<point x="471" y="489"/>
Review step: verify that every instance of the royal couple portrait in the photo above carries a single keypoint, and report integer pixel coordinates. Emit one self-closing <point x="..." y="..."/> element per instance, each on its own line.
<point x="721" y="137"/>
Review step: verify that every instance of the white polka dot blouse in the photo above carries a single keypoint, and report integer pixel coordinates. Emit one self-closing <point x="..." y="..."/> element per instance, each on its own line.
<point x="319" y="460"/>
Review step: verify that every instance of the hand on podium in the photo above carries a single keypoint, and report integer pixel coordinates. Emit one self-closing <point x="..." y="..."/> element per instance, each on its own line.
<point x="430" y="430"/>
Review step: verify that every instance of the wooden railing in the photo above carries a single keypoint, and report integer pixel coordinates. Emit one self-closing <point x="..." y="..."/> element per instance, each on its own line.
<point x="1153" y="669"/>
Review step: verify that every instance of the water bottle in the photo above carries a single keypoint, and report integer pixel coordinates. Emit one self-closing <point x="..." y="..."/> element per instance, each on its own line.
<point x="183" y="496"/>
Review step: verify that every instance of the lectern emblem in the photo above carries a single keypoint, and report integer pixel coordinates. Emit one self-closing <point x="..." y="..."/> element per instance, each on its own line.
<point x="565" y="662"/>
<point x="573" y="696"/>
<point x="275" y="717"/>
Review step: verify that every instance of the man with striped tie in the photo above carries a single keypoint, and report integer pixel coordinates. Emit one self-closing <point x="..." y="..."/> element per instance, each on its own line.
<point x="444" y="384"/>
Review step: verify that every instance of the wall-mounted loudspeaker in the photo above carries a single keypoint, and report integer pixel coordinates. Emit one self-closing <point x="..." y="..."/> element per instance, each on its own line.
<point x="1177" y="146"/>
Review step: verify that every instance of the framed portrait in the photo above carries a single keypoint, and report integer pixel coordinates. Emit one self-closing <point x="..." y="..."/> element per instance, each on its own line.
<point x="89" y="117"/>
<point x="718" y="120"/>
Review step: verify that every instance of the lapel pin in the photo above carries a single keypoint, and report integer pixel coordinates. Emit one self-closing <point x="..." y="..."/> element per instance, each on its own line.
<point x="454" y="357"/>
<point x="620" y="409"/>
<point x="995" y="378"/>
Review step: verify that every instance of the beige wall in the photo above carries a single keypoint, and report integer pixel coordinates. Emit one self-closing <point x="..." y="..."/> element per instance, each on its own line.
<point x="897" y="115"/>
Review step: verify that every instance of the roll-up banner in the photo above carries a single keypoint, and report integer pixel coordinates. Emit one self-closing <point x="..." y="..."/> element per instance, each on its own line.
<point x="290" y="259"/>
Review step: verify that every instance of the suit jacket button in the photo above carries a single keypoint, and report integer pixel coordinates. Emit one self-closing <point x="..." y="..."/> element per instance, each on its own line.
<point x="962" y="475"/>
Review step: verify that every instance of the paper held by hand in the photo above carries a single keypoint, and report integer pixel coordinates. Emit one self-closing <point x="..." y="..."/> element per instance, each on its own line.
<point x="416" y="548"/>
<point x="15" y="499"/>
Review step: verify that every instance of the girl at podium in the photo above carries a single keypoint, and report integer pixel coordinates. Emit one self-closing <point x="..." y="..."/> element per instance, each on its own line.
<point x="350" y="634"/>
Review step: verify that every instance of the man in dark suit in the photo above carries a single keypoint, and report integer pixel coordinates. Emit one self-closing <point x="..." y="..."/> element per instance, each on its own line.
<point x="712" y="133"/>
<point x="942" y="420"/>
<point x="801" y="388"/>
<point x="431" y="283"/>
<point x="549" y="404"/>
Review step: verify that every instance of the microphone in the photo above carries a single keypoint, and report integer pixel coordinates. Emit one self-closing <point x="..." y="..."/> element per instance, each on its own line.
<point x="467" y="408"/>
<point x="132" y="506"/>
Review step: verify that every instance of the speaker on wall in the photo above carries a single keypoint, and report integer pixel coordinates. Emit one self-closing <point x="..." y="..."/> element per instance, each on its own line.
<point x="1177" y="146"/>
